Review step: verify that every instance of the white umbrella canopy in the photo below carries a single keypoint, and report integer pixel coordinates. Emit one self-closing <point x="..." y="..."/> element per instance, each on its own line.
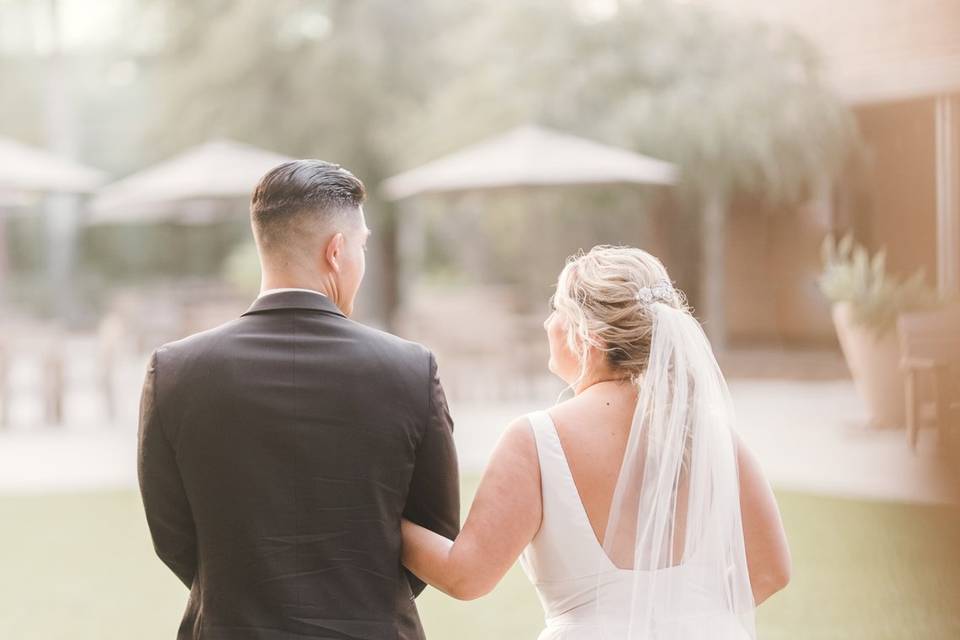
<point x="530" y="156"/>
<point x="25" y="169"/>
<point x="190" y="187"/>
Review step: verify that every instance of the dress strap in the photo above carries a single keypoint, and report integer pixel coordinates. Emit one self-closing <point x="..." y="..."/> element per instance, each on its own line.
<point x="541" y="423"/>
<point x="554" y="468"/>
<point x="564" y="516"/>
<point x="548" y="442"/>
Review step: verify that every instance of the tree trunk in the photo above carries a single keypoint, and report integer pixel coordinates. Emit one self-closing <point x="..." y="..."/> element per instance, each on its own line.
<point x="391" y="272"/>
<point x="713" y="272"/>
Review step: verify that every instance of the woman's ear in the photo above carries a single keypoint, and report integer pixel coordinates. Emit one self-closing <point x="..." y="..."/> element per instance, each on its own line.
<point x="334" y="252"/>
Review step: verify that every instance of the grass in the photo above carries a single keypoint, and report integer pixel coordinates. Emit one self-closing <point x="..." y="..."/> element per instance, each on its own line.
<point x="81" y="567"/>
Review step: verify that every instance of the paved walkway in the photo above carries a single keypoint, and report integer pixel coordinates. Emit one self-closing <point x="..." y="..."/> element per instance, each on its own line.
<point x="809" y="435"/>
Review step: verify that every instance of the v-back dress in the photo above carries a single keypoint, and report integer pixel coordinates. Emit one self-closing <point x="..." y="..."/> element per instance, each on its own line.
<point x="584" y="595"/>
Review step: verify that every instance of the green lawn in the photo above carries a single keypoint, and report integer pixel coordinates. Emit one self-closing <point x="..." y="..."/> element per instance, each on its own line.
<point x="81" y="567"/>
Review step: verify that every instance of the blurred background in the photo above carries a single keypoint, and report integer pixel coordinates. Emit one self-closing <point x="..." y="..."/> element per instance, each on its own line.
<point x="795" y="164"/>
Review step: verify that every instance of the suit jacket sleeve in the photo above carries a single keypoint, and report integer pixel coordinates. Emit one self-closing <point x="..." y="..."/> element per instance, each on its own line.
<point x="434" y="498"/>
<point x="164" y="499"/>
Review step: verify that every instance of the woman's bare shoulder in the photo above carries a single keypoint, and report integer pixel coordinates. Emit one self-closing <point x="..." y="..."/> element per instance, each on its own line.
<point x="569" y="409"/>
<point x="518" y="437"/>
<point x="579" y="412"/>
<point x="563" y="414"/>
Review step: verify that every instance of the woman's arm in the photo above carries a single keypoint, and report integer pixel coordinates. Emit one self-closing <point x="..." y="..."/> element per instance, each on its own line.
<point x="504" y="517"/>
<point x="768" y="556"/>
<point x="433" y="497"/>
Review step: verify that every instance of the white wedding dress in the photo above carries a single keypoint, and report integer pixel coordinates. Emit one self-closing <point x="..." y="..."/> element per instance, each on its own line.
<point x="585" y="596"/>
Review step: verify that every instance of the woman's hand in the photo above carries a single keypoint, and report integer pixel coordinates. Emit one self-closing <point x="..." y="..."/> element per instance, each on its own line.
<point x="504" y="517"/>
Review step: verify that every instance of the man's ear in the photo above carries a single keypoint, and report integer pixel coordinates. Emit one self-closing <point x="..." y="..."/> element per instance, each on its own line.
<point x="334" y="252"/>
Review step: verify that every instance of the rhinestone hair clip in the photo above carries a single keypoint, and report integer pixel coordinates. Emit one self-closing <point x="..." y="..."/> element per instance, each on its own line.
<point x="662" y="291"/>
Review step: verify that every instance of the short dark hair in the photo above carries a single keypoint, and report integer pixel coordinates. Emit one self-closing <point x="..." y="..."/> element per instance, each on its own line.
<point x="300" y="187"/>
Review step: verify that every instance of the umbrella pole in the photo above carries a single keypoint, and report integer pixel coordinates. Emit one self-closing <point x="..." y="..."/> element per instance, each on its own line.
<point x="61" y="130"/>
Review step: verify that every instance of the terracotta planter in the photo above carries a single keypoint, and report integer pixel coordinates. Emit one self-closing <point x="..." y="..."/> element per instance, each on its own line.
<point x="874" y="363"/>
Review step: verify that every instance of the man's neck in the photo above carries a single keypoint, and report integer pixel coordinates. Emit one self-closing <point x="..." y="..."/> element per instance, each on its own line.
<point x="274" y="284"/>
<point x="264" y="292"/>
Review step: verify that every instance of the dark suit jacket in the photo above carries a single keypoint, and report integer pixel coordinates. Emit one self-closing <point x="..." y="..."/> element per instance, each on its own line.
<point x="277" y="455"/>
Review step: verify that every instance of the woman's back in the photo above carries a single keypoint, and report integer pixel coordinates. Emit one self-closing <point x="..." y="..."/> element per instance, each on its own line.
<point x="593" y="428"/>
<point x="585" y="596"/>
<point x="565" y="560"/>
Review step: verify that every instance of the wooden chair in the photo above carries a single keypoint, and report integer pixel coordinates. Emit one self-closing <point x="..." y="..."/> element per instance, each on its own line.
<point x="930" y="359"/>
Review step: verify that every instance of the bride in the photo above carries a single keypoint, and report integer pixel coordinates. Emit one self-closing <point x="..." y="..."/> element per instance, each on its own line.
<point x="635" y="509"/>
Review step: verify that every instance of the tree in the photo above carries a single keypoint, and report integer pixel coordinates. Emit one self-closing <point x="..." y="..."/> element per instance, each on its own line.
<point x="382" y="86"/>
<point x="740" y="107"/>
<point x="307" y="78"/>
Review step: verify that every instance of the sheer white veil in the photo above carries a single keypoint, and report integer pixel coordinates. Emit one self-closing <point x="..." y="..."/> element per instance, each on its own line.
<point x="675" y="517"/>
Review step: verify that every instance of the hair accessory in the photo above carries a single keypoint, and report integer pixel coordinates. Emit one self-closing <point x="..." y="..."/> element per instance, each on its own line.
<point x="662" y="291"/>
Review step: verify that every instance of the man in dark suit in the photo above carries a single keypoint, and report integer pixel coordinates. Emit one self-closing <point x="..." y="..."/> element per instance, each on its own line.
<point x="279" y="451"/>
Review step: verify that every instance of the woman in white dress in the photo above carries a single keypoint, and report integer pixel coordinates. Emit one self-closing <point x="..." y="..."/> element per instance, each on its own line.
<point x="635" y="509"/>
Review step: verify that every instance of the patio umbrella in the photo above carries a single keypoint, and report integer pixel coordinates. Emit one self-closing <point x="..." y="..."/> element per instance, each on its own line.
<point x="196" y="186"/>
<point x="27" y="172"/>
<point x="25" y="169"/>
<point x="530" y="156"/>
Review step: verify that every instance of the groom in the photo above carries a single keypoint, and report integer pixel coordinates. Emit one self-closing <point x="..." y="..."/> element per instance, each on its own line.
<point x="279" y="451"/>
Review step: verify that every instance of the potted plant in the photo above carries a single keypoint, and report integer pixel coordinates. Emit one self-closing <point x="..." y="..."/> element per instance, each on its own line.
<point x="866" y="302"/>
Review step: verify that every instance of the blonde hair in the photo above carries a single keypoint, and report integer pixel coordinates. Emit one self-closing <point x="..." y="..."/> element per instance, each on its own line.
<point x="606" y="298"/>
